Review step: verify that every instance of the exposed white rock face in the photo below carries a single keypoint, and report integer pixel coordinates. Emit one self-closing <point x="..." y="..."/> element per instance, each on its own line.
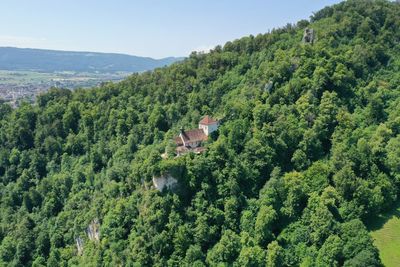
<point x="268" y="86"/>
<point x="164" y="181"/>
<point x="309" y="36"/>
<point x="93" y="230"/>
<point x="79" y="245"/>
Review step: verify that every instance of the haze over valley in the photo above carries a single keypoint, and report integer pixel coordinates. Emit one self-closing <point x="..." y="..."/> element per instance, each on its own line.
<point x="24" y="73"/>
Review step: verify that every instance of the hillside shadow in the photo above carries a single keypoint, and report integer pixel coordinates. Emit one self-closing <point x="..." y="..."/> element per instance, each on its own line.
<point x="377" y="222"/>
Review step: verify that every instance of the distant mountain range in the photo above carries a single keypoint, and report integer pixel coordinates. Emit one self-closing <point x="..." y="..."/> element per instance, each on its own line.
<point x="18" y="59"/>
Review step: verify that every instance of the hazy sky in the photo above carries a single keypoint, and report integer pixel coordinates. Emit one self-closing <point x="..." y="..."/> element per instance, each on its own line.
<point x="155" y="28"/>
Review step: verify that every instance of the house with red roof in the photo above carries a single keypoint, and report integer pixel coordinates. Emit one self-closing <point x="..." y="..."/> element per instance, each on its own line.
<point x="208" y="125"/>
<point x="192" y="140"/>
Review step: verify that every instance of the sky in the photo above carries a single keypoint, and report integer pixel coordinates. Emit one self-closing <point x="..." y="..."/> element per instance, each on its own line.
<point x="153" y="28"/>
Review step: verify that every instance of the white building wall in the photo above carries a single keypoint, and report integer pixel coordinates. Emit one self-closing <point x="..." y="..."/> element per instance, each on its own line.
<point x="209" y="128"/>
<point x="212" y="128"/>
<point x="183" y="140"/>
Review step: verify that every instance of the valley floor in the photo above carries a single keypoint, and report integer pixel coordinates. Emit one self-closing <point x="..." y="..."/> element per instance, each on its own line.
<point x="15" y="85"/>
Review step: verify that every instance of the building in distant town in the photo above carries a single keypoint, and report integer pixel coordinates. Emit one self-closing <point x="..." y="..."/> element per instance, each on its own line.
<point x="192" y="140"/>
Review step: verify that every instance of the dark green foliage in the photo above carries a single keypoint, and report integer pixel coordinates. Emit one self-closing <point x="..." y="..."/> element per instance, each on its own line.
<point x="308" y="150"/>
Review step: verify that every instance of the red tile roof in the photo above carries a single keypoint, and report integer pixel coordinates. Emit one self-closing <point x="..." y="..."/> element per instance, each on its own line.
<point x="195" y="135"/>
<point x="207" y="120"/>
<point x="178" y="141"/>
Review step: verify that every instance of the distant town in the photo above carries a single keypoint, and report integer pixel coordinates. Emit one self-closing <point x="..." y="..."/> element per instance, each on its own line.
<point x="16" y="86"/>
<point x="26" y="72"/>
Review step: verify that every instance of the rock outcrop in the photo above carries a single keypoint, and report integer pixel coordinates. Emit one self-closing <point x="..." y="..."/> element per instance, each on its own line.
<point x="79" y="245"/>
<point x="269" y="86"/>
<point x="165" y="181"/>
<point x="93" y="230"/>
<point x="309" y="36"/>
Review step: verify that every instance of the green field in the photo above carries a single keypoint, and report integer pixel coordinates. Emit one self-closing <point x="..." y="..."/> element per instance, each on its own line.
<point x="26" y="85"/>
<point x="385" y="231"/>
<point x="70" y="78"/>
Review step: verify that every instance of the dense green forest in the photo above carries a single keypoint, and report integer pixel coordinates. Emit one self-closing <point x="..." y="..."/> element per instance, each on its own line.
<point x="308" y="152"/>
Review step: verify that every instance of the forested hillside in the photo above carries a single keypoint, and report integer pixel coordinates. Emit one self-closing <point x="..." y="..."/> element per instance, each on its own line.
<point x="308" y="151"/>
<point x="27" y="59"/>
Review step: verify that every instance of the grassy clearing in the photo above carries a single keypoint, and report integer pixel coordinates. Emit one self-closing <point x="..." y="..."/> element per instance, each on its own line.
<point x="34" y="77"/>
<point x="385" y="230"/>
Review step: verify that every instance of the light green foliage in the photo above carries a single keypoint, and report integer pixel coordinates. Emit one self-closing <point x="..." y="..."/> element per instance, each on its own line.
<point x="226" y="250"/>
<point x="265" y="220"/>
<point x="275" y="254"/>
